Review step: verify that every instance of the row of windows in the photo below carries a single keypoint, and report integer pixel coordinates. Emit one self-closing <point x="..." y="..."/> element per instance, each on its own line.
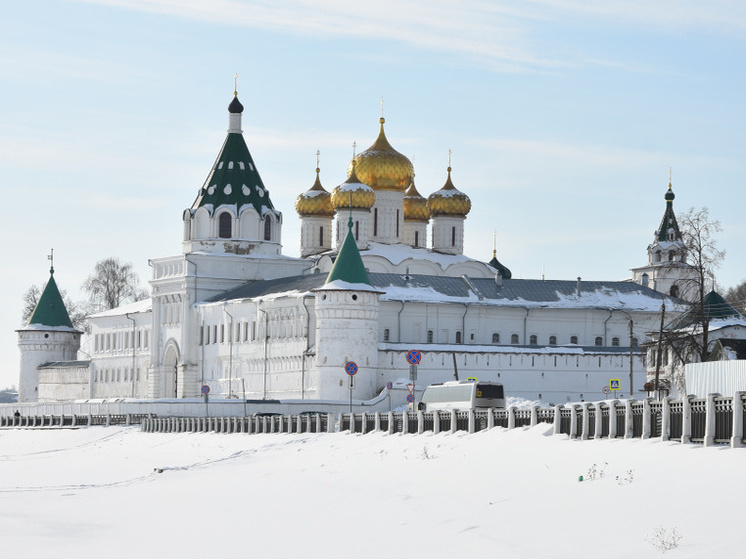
<point x="514" y="339"/>
<point x="117" y="375"/>
<point x="245" y="331"/>
<point x="225" y="226"/>
<point x="120" y="341"/>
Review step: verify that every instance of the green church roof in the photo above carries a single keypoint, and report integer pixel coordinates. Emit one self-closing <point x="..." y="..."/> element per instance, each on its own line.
<point x="669" y="219"/>
<point x="348" y="266"/>
<point x="234" y="179"/>
<point x="50" y="310"/>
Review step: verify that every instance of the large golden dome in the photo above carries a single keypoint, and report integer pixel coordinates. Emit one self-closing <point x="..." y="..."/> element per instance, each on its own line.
<point x="382" y="167"/>
<point x="415" y="205"/>
<point x="315" y="202"/>
<point x="448" y="200"/>
<point x="352" y="193"/>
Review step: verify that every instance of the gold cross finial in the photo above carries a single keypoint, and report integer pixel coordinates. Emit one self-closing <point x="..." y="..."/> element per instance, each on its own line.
<point x="381" y="106"/>
<point x="318" y="153"/>
<point x="670" y="172"/>
<point x="494" y="244"/>
<point x="235" y="84"/>
<point x="449" y="156"/>
<point x="50" y="257"/>
<point x="354" y="147"/>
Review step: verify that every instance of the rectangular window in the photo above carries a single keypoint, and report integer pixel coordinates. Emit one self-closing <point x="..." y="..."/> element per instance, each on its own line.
<point x="253" y="330"/>
<point x="321" y="236"/>
<point x="222" y="333"/>
<point x="453" y="236"/>
<point x="215" y="334"/>
<point x="458" y="337"/>
<point x="201" y="335"/>
<point x="416" y="238"/>
<point x="386" y="334"/>
<point x="375" y="222"/>
<point x="357" y="230"/>
<point x="397" y="223"/>
<point x="429" y="336"/>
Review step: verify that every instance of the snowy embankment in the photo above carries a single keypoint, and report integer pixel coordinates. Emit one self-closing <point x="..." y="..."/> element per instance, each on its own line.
<point x="116" y="492"/>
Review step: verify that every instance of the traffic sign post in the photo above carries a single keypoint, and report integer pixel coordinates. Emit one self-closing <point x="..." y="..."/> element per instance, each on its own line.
<point x="351" y="370"/>
<point x="205" y="392"/>
<point x="413" y="358"/>
<point x="389" y="386"/>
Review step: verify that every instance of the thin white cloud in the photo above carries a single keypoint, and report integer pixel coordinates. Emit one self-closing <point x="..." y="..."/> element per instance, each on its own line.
<point x="504" y="35"/>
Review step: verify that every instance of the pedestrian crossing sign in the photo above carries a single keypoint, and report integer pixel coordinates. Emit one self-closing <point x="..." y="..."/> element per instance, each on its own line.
<point x="614" y="384"/>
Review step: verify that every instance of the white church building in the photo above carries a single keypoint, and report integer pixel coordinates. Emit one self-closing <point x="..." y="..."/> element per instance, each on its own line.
<point x="381" y="272"/>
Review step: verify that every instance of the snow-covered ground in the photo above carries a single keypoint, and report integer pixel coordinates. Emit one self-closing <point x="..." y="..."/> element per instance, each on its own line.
<point x="116" y="492"/>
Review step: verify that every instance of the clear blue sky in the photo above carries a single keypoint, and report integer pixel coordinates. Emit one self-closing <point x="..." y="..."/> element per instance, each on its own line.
<point x="563" y="117"/>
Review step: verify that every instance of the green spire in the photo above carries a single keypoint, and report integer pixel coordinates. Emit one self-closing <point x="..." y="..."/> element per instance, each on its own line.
<point x="668" y="223"/>
<point x="234" y="179"/>
<point x="50" y="310"/>
<point x="349" y="265"/>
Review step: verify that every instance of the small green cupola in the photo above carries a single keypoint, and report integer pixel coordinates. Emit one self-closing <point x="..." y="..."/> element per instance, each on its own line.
<point x="348" y="267"/>
<point x="50" y="310"/>
<point x="234" y="181"/>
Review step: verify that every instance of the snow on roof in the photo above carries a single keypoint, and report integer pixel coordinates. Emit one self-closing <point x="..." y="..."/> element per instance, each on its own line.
<point x="43" y="328"/>
<point x="397" y="253"/>
<point x="146" y="305"/>
<point x="341" y="285"/>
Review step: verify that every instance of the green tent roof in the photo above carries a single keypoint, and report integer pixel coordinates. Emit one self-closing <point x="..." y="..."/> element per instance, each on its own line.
<point x="50" y="310"/>
<point x="234" y="179"/>
<point x="349" y="265"/>
<point x="669" y="219"/>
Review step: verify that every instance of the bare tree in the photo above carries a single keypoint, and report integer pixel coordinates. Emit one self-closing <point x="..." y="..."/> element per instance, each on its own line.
<point x="686" y="339"/>
<point x="736" y="296"/>
<point x="112" y="284"/>
<point x="75" y="310"/>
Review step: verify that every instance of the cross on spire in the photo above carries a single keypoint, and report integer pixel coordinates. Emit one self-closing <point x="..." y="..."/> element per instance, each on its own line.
<point x="50" y="257"/>
<point x="318" y="153"/>
<point x="381" y="106"/>
<point x="235" y="84"/>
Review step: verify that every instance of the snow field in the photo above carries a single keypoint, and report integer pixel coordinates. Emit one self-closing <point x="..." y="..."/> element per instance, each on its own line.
<point x="97" y="492"/>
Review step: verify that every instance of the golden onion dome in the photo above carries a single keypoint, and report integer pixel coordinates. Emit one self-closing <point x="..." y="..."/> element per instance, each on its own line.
<point x="315" y="202"/>
<point x="448" y="200"/>
<point x="415" y="205"/>
<point x="382" y="167"/>
<point x="353" y="194"/>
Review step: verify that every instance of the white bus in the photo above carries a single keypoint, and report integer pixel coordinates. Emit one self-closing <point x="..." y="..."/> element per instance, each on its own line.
<point x="462" y="395"/>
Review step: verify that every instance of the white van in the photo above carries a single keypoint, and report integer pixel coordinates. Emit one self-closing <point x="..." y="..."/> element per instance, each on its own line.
<point x="462" y="395"/>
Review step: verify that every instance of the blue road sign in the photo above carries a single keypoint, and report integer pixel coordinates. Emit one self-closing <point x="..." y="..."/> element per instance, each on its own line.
<point x="389" y="385"/>
<point x="410" y="398"/>
<point x="414" y="356"/>
<point x="614" y="384"/>
<point x="205" y="389"/>
<point x="351" y="368"/>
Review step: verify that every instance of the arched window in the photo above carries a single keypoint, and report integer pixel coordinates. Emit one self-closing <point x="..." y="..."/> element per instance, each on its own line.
<point x="514" y="339"/>
<point x="267" y="228"/>
<point x="533" y="340"/>
<point x="615" y="341"/>
<point x="599" y="340"/>
<point x="634" y="342"/>
<point x="495" y="338"/>
<point x="574" y="340"/>
<point x="674" y="292"/>
<point x="552" y="340"/>
<point x="225" y="225"/>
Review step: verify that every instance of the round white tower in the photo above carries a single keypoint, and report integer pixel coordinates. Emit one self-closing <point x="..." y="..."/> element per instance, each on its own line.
<point x="49" y="336"/>
<point x="347" y="310"/>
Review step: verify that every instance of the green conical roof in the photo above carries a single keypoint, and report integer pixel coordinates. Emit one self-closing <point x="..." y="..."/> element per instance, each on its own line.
<point x="234" y="180"/>
<point x="50" y="310"/>
<point x="349" y="265"/>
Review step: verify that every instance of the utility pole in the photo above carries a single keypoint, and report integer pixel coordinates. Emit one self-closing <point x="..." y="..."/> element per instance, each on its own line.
<point x="659" y="355"/>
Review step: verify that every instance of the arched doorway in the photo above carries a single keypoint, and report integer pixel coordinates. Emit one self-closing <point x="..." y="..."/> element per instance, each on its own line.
<point x="170" y="371"/>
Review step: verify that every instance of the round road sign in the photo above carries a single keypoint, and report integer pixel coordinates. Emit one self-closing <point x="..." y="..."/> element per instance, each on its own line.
<point x="389" y="385"/>
<point x="205" y="389"/>
<point x="606" y="389"/>
<point x="410" y="398"/>
<point x="351" y="368"/>
<point x="414" y="356"/>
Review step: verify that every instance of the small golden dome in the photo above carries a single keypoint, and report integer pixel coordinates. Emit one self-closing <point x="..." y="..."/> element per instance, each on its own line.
<point x="382" y="167"/>
<point x="448" y="200"/>
<point x="415" y="205"/>
<point x="352" y="193"/>
<point x="315" y="202"/>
